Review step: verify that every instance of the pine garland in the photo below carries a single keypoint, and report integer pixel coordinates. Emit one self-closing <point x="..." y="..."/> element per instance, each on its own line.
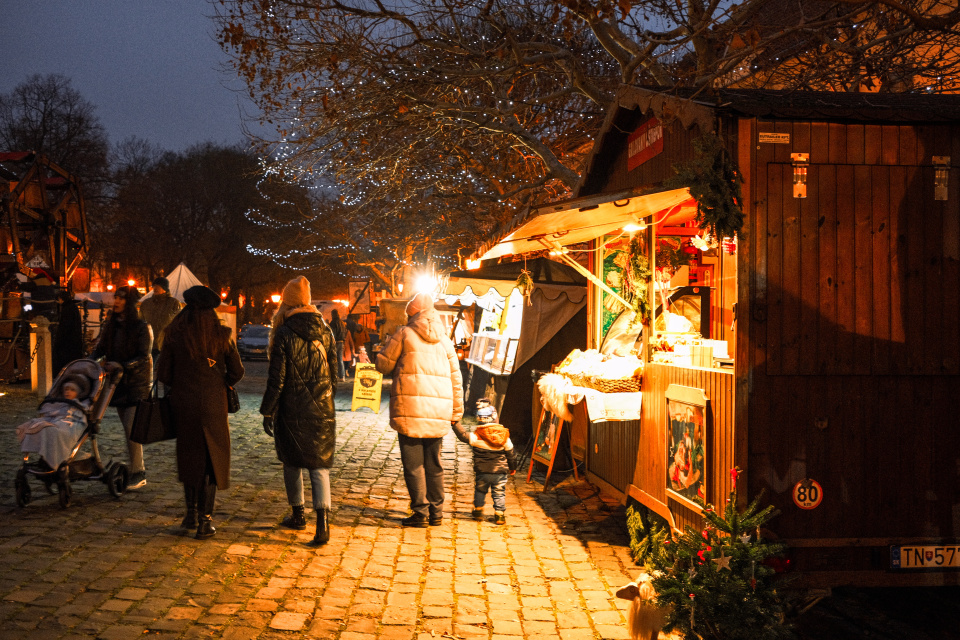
<point x="636" y="276"/>
<point x="717" y="582"/>
<point x="646" y="537"/>
<point x="714" y="181"/>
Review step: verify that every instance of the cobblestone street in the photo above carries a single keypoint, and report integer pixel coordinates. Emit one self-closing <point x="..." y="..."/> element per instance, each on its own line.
<point x="122" y="568"/>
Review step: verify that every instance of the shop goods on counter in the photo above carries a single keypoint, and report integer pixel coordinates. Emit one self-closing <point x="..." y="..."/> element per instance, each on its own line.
<point x="609" y="374"/>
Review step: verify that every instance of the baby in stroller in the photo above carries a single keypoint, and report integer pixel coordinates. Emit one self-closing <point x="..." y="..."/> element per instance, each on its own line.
<point x="55" y="432"/>
<point x="69" y="418"/>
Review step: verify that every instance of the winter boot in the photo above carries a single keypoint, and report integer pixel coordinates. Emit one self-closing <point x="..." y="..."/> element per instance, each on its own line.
<point x="500" y="518"/>
<point x="296" y="520"/>
<point x="478" y="513"/>
<point x="190" y="497"/>
<point x="205" y="502"/>
<point x="417" y="520"/>
<point x="322" y="536"/>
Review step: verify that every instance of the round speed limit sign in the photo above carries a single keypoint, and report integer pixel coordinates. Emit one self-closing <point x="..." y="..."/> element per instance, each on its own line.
<point x="807" y="494"/>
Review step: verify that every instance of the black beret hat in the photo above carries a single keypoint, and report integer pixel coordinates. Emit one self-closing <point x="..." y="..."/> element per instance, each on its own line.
<point x="201" y="297"/>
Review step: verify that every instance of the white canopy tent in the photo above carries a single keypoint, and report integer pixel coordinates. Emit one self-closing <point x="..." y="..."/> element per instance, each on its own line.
<point x="181" y="279"/>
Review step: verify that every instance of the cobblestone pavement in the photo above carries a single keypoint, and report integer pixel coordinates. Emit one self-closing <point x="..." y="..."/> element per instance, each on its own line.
<point x="121" y="568"/>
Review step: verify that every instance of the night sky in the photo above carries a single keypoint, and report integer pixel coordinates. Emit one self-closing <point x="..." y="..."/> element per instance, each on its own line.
<point x="152" y="68"/>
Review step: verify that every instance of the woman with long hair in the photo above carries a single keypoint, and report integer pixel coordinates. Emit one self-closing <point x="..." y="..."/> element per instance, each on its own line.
<point x="198" y="361"/>
<point x="297" y="408"/>
<point x="128" y="340"/>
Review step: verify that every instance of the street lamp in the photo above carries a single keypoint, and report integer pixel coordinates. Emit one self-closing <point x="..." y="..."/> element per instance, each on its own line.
<point x="275" y="298"/>
<point x="131" y="282"/>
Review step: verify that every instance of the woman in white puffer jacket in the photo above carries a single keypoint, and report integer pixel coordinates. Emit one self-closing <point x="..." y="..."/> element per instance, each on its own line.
<point x="426" y="399"/>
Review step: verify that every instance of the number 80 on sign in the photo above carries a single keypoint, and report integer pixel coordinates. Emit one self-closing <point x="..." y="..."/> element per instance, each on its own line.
<point x="807" y="494"/>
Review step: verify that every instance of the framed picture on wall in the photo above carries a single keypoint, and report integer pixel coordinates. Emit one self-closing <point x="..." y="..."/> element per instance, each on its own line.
<point x="686" y="445"/>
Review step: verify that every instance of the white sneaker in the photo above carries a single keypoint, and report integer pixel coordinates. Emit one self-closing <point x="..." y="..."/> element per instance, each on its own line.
<point x="137" y="480"/>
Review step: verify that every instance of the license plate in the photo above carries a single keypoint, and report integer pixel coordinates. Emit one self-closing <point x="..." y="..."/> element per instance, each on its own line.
<point x="925" y="557"/>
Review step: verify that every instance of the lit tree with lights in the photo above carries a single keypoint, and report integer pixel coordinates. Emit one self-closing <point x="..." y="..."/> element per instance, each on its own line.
<point x="191" y="206"/>
<point x="481" y="106"/>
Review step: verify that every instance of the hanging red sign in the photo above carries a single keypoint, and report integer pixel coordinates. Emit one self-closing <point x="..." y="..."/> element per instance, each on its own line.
<point x="644" y="143"/>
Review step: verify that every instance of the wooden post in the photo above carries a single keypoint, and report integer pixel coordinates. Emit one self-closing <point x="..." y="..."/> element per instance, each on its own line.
<point x="41" y="356"/>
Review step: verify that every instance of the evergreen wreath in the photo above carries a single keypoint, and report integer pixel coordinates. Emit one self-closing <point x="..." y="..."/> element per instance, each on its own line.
<point x="714" y="181"/>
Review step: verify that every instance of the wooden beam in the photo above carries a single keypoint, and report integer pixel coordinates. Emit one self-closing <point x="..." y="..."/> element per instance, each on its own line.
<point x="653" y="504"/>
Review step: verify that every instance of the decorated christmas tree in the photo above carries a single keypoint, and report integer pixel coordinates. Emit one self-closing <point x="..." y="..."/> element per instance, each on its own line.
<point x="718" y="581"/>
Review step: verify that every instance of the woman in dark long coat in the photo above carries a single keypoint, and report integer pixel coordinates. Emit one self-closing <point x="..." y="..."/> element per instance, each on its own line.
<point x="297" y="408"/>
<point x="199" y="359"/>
<point x="127" y="339"/>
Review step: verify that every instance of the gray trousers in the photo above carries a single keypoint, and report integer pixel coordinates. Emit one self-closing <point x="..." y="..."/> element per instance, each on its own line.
<point x="422" y="473"/>
<point x="133" y="448"/>
<point x="319" y="486"/>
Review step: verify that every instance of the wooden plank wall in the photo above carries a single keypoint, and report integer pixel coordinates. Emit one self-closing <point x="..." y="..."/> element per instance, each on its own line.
<point x="611" y="451"/>
<point x="862" y="273"/>
<point x="650" y="473"/>
<point x="854" y="361"/>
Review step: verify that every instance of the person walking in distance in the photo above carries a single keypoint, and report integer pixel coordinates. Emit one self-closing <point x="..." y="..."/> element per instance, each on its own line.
<point x="297" y="407"/>
<point x="199" y="360"/>
<point x="128" y="340"/>
<point x="426" y="400"/>
<point x="340" y="336"/>
<point x="159" y="310"/>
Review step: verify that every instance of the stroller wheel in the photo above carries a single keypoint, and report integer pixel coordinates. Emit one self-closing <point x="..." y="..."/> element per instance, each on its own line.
<point x="117" y="479"/>
<point x="22" y="488"/>
<point x="64" y="490"/>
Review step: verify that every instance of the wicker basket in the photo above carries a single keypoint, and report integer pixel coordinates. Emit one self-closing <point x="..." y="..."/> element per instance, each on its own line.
<point x="620" y="385"/>
<point x="577" y="380"/>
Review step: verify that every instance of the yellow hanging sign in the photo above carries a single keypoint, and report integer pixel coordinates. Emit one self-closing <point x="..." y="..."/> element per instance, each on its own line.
<point x="366" y="388"/>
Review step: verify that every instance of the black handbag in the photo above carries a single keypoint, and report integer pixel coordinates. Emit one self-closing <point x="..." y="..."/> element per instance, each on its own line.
<point x="233" y="400"/>
<point x="152" y="421"/>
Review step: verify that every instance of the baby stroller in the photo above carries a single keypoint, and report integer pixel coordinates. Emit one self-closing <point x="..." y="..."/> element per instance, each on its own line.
<point x="78" y="465"/>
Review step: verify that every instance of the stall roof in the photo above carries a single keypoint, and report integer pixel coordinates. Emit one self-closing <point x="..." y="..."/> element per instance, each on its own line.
<point x="503" y="277"/>
<point x="584" y="219"/>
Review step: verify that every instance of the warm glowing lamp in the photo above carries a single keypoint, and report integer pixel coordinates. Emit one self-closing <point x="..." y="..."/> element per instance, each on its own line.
<point x="131" y="282"/>
<point x="473" y="264"/>
<point x="109" y="287"/>
<point x="275" y="298"/>
<point x="426" y="283"/>
<point x="400" y="287"/>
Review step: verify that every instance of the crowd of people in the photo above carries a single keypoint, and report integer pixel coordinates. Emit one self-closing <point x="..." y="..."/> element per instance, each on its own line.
<point x="193" y="355"/>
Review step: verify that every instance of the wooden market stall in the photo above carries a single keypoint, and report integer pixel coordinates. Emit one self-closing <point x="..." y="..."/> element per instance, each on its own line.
<point x="839" y="302"/>
<point x="514" y="336"/>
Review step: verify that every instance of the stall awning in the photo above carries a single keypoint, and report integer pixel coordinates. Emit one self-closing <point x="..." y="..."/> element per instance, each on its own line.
<point x="588" y="218"/>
